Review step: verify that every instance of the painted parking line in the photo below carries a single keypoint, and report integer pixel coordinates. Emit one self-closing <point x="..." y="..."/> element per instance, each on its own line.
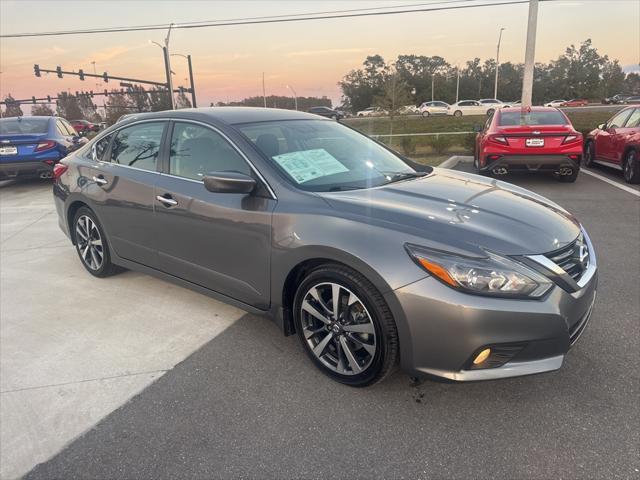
<point x="612" y="182"/>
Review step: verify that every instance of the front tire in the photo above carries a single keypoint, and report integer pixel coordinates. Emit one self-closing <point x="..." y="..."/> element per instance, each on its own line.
<point x="490" y="112"/>
<point x="91" y="244"/>
<point x="589" y="154"/>
<point x="457" y="113"/>
<point x="425" y="114"/>
<point x="631" y="167"/>
<point x="345" y="326"/>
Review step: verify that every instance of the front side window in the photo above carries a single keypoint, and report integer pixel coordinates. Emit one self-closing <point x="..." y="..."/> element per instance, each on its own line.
<point x="138" y="146"/>
<point x="197" y="151"/>
<point x="515" y="118"/>
<point x="99" y="149"/>
<point x="618" y="120"/>
<point x="318" y="155"/>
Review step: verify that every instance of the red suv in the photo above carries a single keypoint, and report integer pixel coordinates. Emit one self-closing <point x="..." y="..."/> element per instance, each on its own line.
<point x="529" y="139"/>
<point x="617" y="144"/>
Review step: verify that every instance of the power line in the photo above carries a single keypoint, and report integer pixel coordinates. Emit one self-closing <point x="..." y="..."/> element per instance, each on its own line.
<point x="272" y="19"/>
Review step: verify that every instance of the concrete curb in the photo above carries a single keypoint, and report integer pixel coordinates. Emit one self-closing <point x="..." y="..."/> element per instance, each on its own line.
<point x="455" y="160"/>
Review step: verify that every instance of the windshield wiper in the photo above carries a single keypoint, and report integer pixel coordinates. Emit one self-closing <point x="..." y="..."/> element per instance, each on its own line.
<point x="398" y="176"/>
<point x="342" y="188"/>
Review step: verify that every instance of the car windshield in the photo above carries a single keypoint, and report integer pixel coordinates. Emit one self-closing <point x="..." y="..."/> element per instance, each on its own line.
<point x="512" y="119"/>
<point x="321" y="156"/>
<point x="22" y="125"/>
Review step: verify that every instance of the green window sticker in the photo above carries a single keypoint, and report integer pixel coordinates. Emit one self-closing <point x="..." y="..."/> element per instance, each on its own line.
<point x="309" y="164"/>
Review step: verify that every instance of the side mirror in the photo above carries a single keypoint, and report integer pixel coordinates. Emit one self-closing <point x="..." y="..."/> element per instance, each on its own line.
<point x="602" y="126"/>
<point x="477" y="128"/>
<point x="229" y="182"/>
<point x="75" y="138"/>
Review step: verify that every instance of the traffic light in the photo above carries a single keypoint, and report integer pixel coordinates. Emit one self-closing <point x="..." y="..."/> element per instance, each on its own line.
<point x="33" y="100"/>
<point x="36" y="70"/>
<point x="91" y="93"/>
<point x="105" y="76"/>
<point x="81" y="74"/>
<point x="106" y="93"/>
<point x="59" y="72"/>
<point x="49" y="98"/>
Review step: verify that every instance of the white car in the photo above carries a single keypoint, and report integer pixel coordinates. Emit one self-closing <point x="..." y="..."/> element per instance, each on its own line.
<point x="516" y="103"/>
<point x="433" y="108"/>
<point x="372" y="112"/>
<point x="554" y="103"/>
<point x="469" y="107"/>
<point x="408" y="110"/>
<point x="493" y="103"/>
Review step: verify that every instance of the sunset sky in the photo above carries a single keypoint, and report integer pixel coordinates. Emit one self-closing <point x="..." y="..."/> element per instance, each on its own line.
<point x="310" y="56"/>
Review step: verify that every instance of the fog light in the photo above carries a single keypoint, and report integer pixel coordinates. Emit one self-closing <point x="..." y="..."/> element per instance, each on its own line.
<point x="482" y="356"/>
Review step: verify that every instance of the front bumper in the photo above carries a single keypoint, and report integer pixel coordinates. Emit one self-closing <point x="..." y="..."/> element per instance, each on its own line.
<point x="442" y="329"/>
<point x="530" y="163"/>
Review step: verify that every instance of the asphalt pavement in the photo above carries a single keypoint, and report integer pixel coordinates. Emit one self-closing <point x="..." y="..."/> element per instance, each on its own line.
<point x="249" y="404"/>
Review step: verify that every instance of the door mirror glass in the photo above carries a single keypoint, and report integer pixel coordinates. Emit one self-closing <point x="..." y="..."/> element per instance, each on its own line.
<point x="229" y="182"/>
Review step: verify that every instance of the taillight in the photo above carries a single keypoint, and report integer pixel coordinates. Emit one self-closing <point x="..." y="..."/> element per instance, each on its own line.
<point x="59" y="169"/>
<point x="45" y="145"/>
<point x="499" y="139"/>
<point x="571" y="139"/>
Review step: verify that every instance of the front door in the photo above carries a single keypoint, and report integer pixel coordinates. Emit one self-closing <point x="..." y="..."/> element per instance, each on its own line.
<point x="221" y="241"/>
<point x="607" y="138"/>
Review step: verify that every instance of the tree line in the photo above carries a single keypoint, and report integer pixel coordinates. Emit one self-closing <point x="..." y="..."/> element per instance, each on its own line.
<point x="279" y="101"/>
<point x="579" y="72"/>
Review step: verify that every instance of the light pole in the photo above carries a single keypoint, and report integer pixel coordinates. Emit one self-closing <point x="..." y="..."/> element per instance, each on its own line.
<point x="193" y="88"/>
<point x="295" y="96"/>
<point x="167" y="65"/>
<point x="495" y="89"/>
<point x="530" y="54"/>
<point x="458" y="83"/>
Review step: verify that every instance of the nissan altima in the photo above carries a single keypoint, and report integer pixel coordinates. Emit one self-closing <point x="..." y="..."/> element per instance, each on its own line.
<point x="370" y="259"/>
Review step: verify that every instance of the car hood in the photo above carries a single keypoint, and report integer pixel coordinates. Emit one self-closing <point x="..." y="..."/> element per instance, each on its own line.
<point x="462" y="213"/>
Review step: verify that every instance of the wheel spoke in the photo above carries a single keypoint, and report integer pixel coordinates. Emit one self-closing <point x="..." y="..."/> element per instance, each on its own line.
<point x="371" y="349"/>
<point x="309" y="332"/>
<point x="97" y="242"/>
<point x="79" y="231"/>
<point x="335" y="299"/>
<point x="359" y="328"/>
<point x="316" y="295"/>
<point x="319" y="349"/>
<point x="94" y="258"/>
<point x="339" y="354"/>
<point x="311" y="310"/>
<point x="353" y="363"/>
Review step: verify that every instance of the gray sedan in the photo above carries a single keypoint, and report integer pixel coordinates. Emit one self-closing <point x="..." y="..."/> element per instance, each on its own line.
<point x="370" y="259"/>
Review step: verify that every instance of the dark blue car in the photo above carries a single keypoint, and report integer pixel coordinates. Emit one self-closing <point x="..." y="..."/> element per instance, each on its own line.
<point x="31" y="146"/>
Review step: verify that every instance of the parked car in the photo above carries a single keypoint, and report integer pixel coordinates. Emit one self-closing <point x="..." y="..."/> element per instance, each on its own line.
<point x="31" y="146"/>
<point x="408" y="110"/>
<point x="615" y="99"/>
<point x="617" y="144"/>
<point x="433" y="108"/>
<point x="372" y="112"/>
<point x="540" y="139"/>
<point x="493" y="104"/>
<point x="338" y="239"/>
<point x="575" y="102"/>
<point x="555" y="103"/>
<point x="515" y="103"/>
<point x="326" y="112"/>
<point x="634" y="100"/>
<point x="469" y="107"/>
<point x="84" y="126"/>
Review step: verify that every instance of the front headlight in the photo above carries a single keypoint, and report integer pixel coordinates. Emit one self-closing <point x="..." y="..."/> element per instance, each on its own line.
<point x="493" y="275"/>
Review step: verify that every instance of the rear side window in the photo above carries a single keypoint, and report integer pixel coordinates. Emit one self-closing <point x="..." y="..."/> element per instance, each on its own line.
<point x="515" y="118"/>
<point x="23" y="126"/>
<point x="138" y="145"/>
<point x="618" y="120"/>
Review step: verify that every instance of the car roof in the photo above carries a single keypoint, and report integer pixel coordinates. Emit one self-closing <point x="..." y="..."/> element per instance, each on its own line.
<point x="230" y="115"/>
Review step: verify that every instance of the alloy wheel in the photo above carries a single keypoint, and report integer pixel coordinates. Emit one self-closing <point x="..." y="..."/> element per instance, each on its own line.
<point x="89" y="242"/>
<point x="629" y="166"/>
<point x="338" y="328"/>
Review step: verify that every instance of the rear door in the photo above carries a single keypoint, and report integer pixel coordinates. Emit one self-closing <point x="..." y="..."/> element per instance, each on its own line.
<point x="121" y="184"/>
<point x="221" y="241"/>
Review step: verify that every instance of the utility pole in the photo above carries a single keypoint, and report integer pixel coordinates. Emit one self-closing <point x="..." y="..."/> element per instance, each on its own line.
<point x="192" y="86"/>
<point x="168" y="65"/>
<point x="530" y="54"/>
<point x="495" y="89"/>
<point x="264" y="95"/>
<point x="433" y="76"/>
<point x="295" y="96"/>
<point x="458" y="84"/>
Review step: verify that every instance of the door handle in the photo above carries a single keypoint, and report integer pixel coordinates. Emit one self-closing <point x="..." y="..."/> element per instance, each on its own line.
<point x="169" y="202"/>
<point x="100" y="180"/>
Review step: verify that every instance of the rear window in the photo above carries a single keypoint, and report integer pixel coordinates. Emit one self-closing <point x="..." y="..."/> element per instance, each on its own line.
<point x="22" y="125"/>
<point x="515" y="118"/>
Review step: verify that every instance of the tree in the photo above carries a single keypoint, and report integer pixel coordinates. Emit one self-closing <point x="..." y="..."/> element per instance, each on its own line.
<point x="68" y="106"/>
<point x="12" y="107"/>
<point x="612" y="77"/>
<point x="359" y="87"/>
<point x="159" y="100"/>
<point x="182" y="101"/>
<point x="87" y="107"/>
<point x="42" y="110"/>
<point x="139" y="99"/>
<point x="632" y="84"/>
<point x="117" y="105"/>
<point x="395" y="95"/>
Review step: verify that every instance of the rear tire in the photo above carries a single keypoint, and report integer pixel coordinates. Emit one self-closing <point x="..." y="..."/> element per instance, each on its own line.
<point x="91" y="244"/>
<point x="589" y="154"/>
<point x="426" y="114"/>
<point x="457" y="113"/>
<point x="359" y="346"/>
<point x="569" y="178"/>
<point x="490" y="112"/>
<point x="631" y="167"/>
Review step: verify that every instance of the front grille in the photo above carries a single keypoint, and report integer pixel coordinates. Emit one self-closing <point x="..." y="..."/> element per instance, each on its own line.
<point x="573" y="259"/>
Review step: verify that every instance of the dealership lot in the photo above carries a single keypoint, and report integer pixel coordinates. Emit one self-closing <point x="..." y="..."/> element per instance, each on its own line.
<point x="183" y="386"/>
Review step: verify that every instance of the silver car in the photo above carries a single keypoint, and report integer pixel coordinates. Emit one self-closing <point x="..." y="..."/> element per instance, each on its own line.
<point x="370" y="259"/>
